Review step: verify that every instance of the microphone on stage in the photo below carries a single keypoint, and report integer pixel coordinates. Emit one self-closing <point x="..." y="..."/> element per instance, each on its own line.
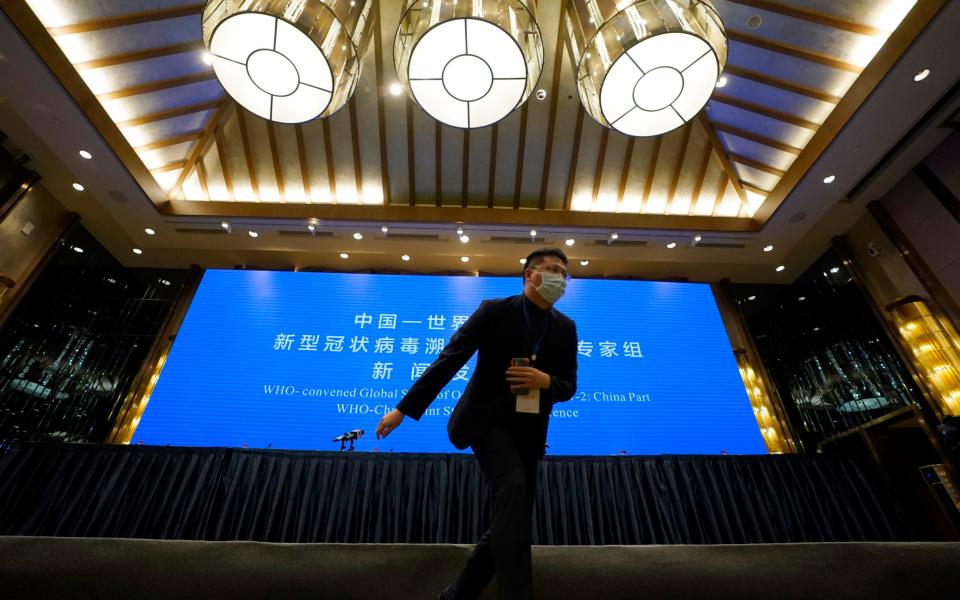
<point x="349" y="436"/>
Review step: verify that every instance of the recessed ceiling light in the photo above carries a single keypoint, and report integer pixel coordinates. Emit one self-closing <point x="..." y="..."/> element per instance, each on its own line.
<point x="570" y="242"/>
<point x="464" y="239"/>
<point x="137" y="251"/>
<point x="533" y="233"/>
<point x="541" y="94"/>
<point x="396" y="89"/>
<point x="78" y="249"/>
<point x="768" y="248"/>
<point x="464" y="259"/>
<point x="816" y="329"/>
<point x="721" y="82"/>
<point x="834" y="270"/>
<point x="829" y="178"/>
<point x="614" y="236"/>
<point x="344" y="255"/>
<point x="523" y="261"/>
<point x="459" y="230"/>
<point x="920" y="76"/>
<point x="311" y="227"/>
<point x="584" y="263"/>
<point x="780" y="268"/>
<point x="85" y="154"/>
<point x="78" y="187"/>
<point x="405" y="257"/>
<point x="253" y="234"/>
<point x="801" y="298"/>
<point x="358" y="236"/>
<point x="672" y="245"/>
<point x="754" y="22"/>
<point x="225" y="225"/>
<point x="697" y="238"/>
<point x="752" y="298"/>
<point x="385" y="229"/>
<point x="149" y="231"/>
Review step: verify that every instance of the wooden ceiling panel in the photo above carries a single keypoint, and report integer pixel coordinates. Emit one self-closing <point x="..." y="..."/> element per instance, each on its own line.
<point x="143" y="61"/>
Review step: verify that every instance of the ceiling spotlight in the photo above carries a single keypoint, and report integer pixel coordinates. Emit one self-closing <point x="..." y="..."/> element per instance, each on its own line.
<point x="697" y="238"/>
<point x="721" y="82"/>
<point x="752" y="298"/>
<point x="920" y="76"/>
<point x="149" y="231"/>
<point x="137" y="251"/>
<point x="471" y="71"/>
<point x="672" y="245"/>
<point x="584" y="263"/>
<point x="358" y="236"/>
<point x="646" y="79"/>
<point x="570" y="242"/>
<point x="780" y="268"/>
<point x="225" y="225"/>
<point x="396" y="89"/>
<point x="464" y="259"/>
<point x="253" y="234"/>
<point x="287" y="62"/>
<point x="614" y="236"/>
<point x="405" y="257"/>
<point x="77" y="249"/>
<point x="523" y="261"/>
<point x="385" y="229"/>
<point x="541" y="94"/>
<point x="464" y="239"/>
<point x="834" y="270"/>
<point x="311" y="228"/>
<point x="829" y="178"/>
<point x="459" y="230"/>
<point x="801" y="298"/>
<point x="533" y="233"/>
<point x="344" y="255"/>
<point x="85" y="154"/>
<point x="78" y="187"/>
<point x="768" y="248"/>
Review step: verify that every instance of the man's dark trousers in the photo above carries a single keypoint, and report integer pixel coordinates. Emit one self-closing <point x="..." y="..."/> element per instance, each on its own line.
<point x="509" y="465"/>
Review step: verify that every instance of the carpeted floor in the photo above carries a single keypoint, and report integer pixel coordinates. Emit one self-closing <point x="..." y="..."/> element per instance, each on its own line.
<point x="36" y="567"/>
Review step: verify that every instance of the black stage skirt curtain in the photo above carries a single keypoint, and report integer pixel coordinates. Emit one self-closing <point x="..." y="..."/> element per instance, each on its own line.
<point x="283" y="496"/>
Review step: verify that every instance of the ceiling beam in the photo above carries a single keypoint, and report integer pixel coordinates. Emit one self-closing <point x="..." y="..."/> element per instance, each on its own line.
<point x="169" y="114"/>
<point x="793" y="51"/>
<point x="129" y="57"/>
<point x="465" y="166"/>
<point x="754" y="137"/>
<point x="818" y="18"/>
<point x="701" y="177"/>
<point x="572" y="173"/>
<point x="766" y="112"/>
<point x="651" y="172"/>
<point x="476" y="216"/>
<point x="178" y="164"/>
<point x="678" y="169"/>
<point x="156" y="86"/>
<point x="554" y="102"/>
<point x="411" y="163"/>
<point x="756" y="190"/>
<point x="625" y="172"/>
<point x="722" y="155"/>
<point x="521" y="151"/>
<point x="170" y="141"/>
<point x="598" y="170"/>
<point x="136" y="18"/>
<point x="381" y="118"/>
<point x="222" y="157"/>
<point x="787" y="86"/>
<point x="355" y="137"/>
<point x="275" y="156"/>
<point x="755" y="164"/>
<point x="197" y="151"/>
<point x="248" y="153"/>
<point x="491" y="167"/>
<point x="328" y="154"/>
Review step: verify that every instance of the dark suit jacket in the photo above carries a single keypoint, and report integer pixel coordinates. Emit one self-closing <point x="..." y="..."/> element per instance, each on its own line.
<point x="496" y="329"/>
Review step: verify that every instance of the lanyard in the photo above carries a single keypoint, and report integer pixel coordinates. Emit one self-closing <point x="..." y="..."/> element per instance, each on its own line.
<point x="536" y="344"/>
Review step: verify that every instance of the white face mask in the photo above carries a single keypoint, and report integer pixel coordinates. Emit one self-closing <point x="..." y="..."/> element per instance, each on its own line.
<point x="552" y="286"/>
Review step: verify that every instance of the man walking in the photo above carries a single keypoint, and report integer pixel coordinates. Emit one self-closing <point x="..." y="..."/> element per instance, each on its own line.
<point x="527" y="362"/>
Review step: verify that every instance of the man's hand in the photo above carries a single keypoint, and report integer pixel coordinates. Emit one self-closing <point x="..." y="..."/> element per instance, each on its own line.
<point x="527" y="378"/>
<point x="388" y="423"/>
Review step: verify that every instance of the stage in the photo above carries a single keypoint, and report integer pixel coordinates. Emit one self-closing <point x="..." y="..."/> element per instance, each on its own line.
<point x="146" y="569"/>
<point x="225" y="494"/>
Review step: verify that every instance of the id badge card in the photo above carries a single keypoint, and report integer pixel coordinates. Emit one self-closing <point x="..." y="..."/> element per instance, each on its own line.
<point x="529" y="402"/>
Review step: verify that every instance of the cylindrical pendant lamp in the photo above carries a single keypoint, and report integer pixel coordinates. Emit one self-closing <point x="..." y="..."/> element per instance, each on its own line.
<point x="288" y="61"/>
<point x="468" y="63"/>
<point x="645" y="67"/>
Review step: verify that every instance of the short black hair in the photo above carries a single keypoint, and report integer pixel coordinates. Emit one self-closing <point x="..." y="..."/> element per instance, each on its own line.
<point x="535" y="258"/>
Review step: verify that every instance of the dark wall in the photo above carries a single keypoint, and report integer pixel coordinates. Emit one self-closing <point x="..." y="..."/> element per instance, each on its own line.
<point x="827" y="354"/>
<point x="71" y="348"/>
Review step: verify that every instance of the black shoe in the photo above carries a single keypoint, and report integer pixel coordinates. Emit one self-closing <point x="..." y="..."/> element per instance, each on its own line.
<point x="449" y="593"/>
